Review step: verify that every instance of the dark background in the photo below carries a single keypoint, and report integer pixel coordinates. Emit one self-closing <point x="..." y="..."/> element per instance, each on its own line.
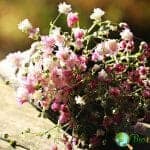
<point x="40" y="12"/>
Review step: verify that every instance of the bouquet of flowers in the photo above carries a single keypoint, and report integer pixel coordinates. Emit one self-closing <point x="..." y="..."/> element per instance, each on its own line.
<point x="95" y="81"/>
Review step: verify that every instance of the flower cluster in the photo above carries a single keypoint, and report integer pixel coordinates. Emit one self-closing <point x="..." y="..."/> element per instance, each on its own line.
<point x="95" y="80"/>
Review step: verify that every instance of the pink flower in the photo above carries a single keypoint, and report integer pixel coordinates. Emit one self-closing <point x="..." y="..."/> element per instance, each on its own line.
<point x="123" y="44"/>
<point x="64" y="108"/>
<point x="29" y="84"/>
<point x="78" y="33"/>
<point x="34" y="33"/>
<point x="119" y="68"/>
<point x="63" y="53"/>
<point x="146" y="93"/>
<point x="125" y="86"/>
<point x="114" y="91"/>
<point x="96" y="56"/>
<point x="67" y="76"/>
<point x="63" y="118"/>
<point x="72" y="19"/>
<point x="48" y="43"/>
<point x="82" y="63"/>
<point x="55" y="106"/>
<point x="112" y="46"/>
<point x="126" y="45"/>
<point x="102" y="74"/>
<point x="79" y="43"/>
<point x="134" y="76"/>
<point x="143" y="70"/>
<point x="57" y="77"/>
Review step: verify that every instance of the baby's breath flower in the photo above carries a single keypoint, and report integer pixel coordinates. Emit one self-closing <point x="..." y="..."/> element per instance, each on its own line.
<point x="102" y="74"/>
<point x="64" y="8"/>
<point x="79" y="100"/>
<point x="126" y="35"/>
<point x="97" y="14"/>
<point x="25" y="25"/>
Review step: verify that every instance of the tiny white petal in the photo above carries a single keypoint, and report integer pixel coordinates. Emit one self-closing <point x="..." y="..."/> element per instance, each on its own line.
<point x="79" y="100"/>
<point x="97" y="14"/>
<point x="126" y="34"/>
<point x="64" y="8"/>
<point x="24" y="25"/>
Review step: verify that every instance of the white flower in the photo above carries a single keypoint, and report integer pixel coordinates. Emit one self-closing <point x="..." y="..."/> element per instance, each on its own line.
<point x="79" y="100"/>
<point x="64" y="8"/>
<point x="97" y="14"/>
<point x="126" y="35"/>
<point x="25" y="25"/>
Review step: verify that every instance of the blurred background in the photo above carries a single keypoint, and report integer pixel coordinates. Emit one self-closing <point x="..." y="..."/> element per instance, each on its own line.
<point x="40" y="12"/>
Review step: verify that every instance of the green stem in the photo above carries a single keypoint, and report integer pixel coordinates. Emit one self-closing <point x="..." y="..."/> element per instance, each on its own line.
<point x="92" y="27"/>
<point x="53" y="23"/>
<point x="56" y="18"/>
<point x="87" y="43"/>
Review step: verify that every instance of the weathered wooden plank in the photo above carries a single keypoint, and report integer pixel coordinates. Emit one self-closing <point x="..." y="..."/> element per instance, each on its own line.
<point x="14" y="119"/>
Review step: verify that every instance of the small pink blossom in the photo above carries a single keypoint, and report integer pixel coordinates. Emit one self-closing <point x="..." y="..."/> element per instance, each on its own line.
<point x="55" y="106"/>
<point x="48" y="43"/>
<point x="143" y="70"/>
<point x="119" y="68"/>
<point x="72" y="19"/>
<point x="112" y="46"/>
<point x="134" y="76"/>
<point x="96" y="56"/>
<point x="63" y="118"/>
<point x="64" y="108"/>
<point x="102" y="74"/>
<point x="78" y="33"/>
<point x="79" y="43"/>
<point x="114" y="91"/>
<point x="146" y="93"/>
<point x="34" y="33"/>
<point x="63" y="53"/>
